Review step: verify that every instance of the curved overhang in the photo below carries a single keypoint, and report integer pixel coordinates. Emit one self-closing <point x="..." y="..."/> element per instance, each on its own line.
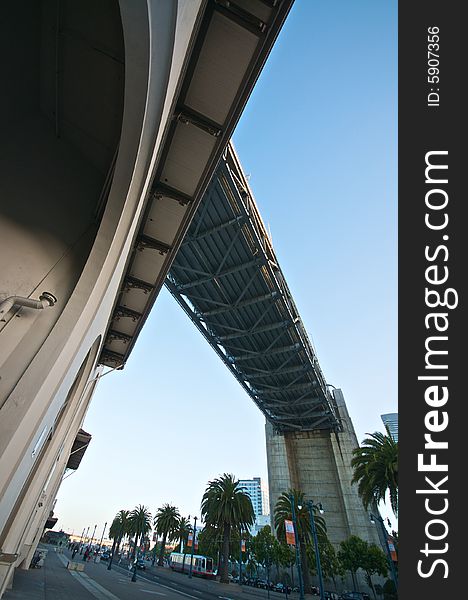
<point x="229" y="47"/>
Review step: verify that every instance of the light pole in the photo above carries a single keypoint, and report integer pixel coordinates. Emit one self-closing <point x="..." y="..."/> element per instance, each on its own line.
<point x="373" y="519"/>
<point x="135" y="558"/>
<point x="311" y="507"/>
<point x="268" y="566"/>
<point x="240" y="559"/>
<point x="194" y="536"/>
<point x="115" y="545"/>
<point x="183" y="550"/>
<point x="298" y="554"/>
<point x="92" y="538"/>
<point x="84" y="540"/>
<point x="100" y="542"/>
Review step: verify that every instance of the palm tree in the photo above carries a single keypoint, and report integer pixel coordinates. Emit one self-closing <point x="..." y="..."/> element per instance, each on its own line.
<point x="139" y="524"/>
<point x="226" y="506"/>
<point x="283" y="512"/>
<point x="118" y="530"/>
<point x="375" y="466"/>
<point x="166" y="523"/>
<point x="182" y="531"/>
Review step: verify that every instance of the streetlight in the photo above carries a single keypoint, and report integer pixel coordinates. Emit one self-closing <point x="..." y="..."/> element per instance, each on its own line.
<point x="77" y="547"/>
<point x="240" y="559"/>
<point x="296" y="539"/>
<point x="135" y="555"/>
<point x="268" y="565"/>
<point x="311" y="506"/>
<point x="84" y="541"/>
<point x="115" y="545"/>
<point x="373" y="519"/>
<point x="194" y="537"/>
<point x="92" y="538"/>
<point x="182" y="549"/>
<point x="100" y="543"/>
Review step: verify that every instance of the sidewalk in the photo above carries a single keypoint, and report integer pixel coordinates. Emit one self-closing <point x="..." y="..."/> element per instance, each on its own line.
<point x="50" y="582"/>
<point x="54" y="581"/>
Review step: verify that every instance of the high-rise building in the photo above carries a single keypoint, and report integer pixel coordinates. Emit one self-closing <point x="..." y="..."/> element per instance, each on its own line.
<point x="259" y="497"/>
<point x="390" y="420"/>
<point x="253" y="487"/>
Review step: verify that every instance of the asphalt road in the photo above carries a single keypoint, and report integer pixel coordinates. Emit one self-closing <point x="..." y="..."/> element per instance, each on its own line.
<point x="169" y="582"/>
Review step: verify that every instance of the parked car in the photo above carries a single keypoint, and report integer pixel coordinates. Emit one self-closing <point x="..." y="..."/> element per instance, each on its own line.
<point x="282" y="588"/>
<point x="355" y="596"/>
<point x="140" y="564"/>
<point x="105" y="555"/>
<point x="331" y="595"/>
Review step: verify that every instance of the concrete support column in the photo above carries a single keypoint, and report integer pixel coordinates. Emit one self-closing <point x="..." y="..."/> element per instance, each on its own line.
<point x="318" y="463"/>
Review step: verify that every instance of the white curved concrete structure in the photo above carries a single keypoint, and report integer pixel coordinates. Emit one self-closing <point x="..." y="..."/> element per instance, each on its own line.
<point x="114" y="118"/>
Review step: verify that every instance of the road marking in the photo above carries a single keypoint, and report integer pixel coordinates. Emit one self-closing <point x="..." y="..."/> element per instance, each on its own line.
<point x="166" y="587"/>
<point x="153" y="592"/>
<point x="92" y="586"/>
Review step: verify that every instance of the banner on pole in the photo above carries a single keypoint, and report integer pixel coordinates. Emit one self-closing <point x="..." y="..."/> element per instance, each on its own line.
<point x="391" y="547"/>
<point x="290" y="537"/>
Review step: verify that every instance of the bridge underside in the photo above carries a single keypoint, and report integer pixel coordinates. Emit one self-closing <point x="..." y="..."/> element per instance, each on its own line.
<point x="227" y="279"/>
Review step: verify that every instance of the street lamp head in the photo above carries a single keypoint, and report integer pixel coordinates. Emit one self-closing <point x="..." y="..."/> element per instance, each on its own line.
<point x="372" y="518"/>
<point x="299" y="506"/>
<point x="320" y="507"/>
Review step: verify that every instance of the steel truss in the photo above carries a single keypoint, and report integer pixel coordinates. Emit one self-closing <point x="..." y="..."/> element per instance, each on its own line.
<point x="227" y="279"/>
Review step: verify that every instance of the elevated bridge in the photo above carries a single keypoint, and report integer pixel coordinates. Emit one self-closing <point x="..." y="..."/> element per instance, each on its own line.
<point x="227" y="278"/>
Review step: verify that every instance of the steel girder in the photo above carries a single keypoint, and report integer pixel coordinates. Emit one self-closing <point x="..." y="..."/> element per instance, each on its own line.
<point x="227" y="279"/>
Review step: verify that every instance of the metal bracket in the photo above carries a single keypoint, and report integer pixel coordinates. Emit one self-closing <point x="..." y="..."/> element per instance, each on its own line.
<point x="144" y="242"/>
<point x="187" y="116"/>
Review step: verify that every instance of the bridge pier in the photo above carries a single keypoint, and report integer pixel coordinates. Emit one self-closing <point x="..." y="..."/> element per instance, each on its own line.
<point x="318" y="463"/>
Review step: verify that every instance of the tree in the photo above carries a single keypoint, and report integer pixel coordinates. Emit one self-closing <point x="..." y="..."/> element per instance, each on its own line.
<point x="375" y="562"/>
<point x="166" y="522"/>
<point x="225" y="506"/>
<point x="182" y="531"/>
<point x="283" y="512"/>
<point x="329" y="562"/>
<point x="209" y="541"/>
<point x="352" y="555"/>
<point x="139" y="524"/>
<point x="263" y="548"/>
<point x="389" y="590"/>
<point x="119" y="529"/>
<point x="375" y="466"/>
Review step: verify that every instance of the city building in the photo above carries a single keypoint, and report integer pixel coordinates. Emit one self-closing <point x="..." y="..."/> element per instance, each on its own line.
<point x="390" y="420"/>
<point x="253" y="487"/>
<point x="260" y="522"/>
<point x="259" y="496"/>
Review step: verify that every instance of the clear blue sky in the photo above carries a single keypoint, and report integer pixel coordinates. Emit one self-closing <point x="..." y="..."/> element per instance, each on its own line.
<point x="319" y="140"/>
